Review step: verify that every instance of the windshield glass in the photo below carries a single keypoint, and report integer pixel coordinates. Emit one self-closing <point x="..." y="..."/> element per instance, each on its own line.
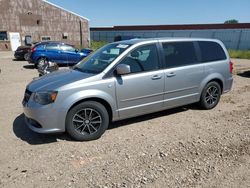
<point x="99" y="60"/>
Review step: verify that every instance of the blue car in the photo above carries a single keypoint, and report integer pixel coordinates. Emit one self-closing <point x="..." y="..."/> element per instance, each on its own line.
<point x="58" y="52"/>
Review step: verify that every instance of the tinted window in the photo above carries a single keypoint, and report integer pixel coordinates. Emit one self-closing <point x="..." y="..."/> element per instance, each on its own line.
<point x="68" y="48"/>
<point x="211" y="51"/>
<point x="142" y="59"/>
<point x="179" y="53"/>
<point x="52" y="47"/>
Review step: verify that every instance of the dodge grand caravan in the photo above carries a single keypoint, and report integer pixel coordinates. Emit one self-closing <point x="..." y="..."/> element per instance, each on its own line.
<point x="127" y="79"/>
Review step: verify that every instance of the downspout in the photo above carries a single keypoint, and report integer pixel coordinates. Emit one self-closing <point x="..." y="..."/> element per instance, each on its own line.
<point x="80" y="33"/>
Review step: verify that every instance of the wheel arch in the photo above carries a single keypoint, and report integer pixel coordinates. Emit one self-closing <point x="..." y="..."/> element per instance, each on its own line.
<point x="213" y="77"/>
<point x="96" y="99"/>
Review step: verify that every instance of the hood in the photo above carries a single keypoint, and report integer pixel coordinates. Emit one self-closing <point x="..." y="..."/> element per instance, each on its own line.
<point x="56" y="79"/>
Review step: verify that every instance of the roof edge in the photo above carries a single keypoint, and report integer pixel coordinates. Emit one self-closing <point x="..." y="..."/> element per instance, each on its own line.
<point x="174" y="27"/>
<point x="57" y="6"/>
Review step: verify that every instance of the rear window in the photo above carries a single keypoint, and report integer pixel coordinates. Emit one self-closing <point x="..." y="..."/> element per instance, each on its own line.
<point x="211" y="51"/>
<point x="179" y="54"/>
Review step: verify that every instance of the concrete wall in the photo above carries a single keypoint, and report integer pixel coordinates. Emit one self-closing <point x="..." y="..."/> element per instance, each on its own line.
<point x="39" y="18"/>
<point x="232" y="38"/>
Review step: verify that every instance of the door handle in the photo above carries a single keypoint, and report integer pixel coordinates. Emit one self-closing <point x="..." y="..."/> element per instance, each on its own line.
<point x="156" y="77"/>
<point x="171" y="74"/>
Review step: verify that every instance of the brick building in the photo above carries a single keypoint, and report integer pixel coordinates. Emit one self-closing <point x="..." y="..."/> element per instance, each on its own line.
<point x="26" y="21"/>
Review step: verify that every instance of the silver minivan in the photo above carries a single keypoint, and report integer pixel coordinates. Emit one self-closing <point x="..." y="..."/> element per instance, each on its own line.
<point x="127" y="79"/>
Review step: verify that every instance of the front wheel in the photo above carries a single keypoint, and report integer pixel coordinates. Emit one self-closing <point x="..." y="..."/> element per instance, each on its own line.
<point x="210" y="95"/>
<point x="87" y="121"/>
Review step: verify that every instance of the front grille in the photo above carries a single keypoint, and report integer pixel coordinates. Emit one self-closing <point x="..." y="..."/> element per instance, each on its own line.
<point x="27" y="96"/>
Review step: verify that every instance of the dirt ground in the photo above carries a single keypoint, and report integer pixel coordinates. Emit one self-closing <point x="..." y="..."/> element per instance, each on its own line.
<point x="183" y="147"/>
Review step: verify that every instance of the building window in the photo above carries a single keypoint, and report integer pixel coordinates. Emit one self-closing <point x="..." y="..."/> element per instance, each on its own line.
<point x="3" y="35"/>
<point x="65" y="35"/>
<point x="45" y="38"/>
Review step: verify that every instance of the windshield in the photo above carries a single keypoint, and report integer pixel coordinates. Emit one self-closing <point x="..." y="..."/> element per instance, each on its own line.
<point x="99" y="60"/>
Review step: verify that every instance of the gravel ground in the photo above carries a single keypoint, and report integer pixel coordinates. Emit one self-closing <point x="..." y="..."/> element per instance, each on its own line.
<point x="183" y="147"/>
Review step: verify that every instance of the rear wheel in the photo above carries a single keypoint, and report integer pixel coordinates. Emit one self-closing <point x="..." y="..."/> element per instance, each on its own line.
<point x="26" y="56"/>
<point x="87" y="121"/>
<point x="41" y="62"/>
<point x="210" y="95"/>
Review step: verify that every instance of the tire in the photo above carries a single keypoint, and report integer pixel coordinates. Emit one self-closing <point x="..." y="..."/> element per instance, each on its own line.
<point x="41" y="61"/>
<point x="210" y="95"/>
<point x="26" y="56"/>
<point x="87" y="121"/>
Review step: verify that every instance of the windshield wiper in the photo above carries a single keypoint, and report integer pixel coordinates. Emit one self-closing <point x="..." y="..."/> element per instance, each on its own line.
<point x="77" y="68"/>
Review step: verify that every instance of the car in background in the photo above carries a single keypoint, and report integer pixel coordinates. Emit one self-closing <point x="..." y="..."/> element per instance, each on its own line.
<point x="57" y="52"/>
<point x="22" y="53"/>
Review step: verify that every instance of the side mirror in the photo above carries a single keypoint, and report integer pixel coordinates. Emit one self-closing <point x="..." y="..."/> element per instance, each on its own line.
<point x="76" y="50"/>
<point x="123" y="69"/>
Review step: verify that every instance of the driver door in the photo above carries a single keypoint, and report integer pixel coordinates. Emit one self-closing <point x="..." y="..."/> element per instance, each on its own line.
<point x="142" y="90"/>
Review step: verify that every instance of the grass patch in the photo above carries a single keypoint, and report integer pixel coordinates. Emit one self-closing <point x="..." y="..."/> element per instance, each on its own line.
<point x="97" y="44"/>
<point x="240" y="54"/>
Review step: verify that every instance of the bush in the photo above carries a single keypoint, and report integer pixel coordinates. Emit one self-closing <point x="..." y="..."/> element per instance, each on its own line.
<point x="241" y="54"/>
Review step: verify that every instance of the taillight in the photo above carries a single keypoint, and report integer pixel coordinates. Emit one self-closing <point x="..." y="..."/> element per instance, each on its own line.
<point x="33" y="49"/>
<point x="231" y="67"/>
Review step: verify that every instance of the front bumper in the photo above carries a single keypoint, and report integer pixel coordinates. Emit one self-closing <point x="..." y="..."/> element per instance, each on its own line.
<point x="44" y="118"/>
<point x="19" y="55"/>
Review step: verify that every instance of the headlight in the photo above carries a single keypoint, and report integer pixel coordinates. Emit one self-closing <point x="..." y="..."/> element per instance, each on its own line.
<point x="44" y="98"/>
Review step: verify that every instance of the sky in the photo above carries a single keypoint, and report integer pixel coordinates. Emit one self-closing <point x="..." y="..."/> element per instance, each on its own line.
<point x="158" y="12"/>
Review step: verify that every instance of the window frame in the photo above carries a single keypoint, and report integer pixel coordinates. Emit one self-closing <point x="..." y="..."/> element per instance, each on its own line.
<point x="111" y="72"/>
<point x="45" y="37"/>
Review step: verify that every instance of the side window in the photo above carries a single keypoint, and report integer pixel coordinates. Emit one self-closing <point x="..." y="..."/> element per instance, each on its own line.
<point x="68" y="48"/>
<point x="142" y="59"/>
<point x="179" y="54"/>
<point x="52" y="47"/>
<point x="211" y="51"/>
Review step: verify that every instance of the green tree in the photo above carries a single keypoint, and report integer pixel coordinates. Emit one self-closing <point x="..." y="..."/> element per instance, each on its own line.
<point x="233" y="21"/>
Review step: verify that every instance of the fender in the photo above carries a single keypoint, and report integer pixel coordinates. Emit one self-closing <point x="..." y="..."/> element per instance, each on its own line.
<point x="89" y="93"/>
<point x="211" y="76"/>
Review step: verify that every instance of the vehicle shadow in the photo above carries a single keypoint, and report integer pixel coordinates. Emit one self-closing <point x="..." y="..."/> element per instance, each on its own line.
<point x="21" y="130"/>
<point x="29" y="66"/>
<point x="151" y="116"/>
<point x="245" y="74"/>
<point x="18" y="60"/>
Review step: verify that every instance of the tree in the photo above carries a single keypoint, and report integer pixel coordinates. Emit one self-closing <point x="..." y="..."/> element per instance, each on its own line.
<point x="233" y="21"/>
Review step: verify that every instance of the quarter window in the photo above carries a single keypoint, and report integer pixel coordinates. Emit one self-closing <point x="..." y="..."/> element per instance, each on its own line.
<point x="179" y="54"/>
<point x="142" y="59"/>
<point x="211" y="51"/>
